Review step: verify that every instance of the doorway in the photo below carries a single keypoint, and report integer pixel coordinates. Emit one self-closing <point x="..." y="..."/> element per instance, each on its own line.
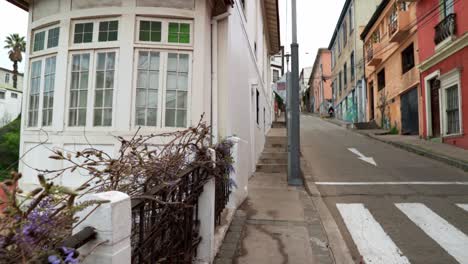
<point x="435" y="107"/>
<point x="371" y="101"/>
<point x="409" y="113"/>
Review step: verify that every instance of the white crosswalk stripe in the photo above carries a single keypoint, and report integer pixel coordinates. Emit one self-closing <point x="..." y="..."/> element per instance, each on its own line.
<point x="446" y="235"/>
<point x="463" y="206"/>
<point x="371" y="240"/>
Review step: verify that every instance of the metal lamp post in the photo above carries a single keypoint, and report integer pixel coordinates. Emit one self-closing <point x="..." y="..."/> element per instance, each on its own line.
<point x="293" y="123"/>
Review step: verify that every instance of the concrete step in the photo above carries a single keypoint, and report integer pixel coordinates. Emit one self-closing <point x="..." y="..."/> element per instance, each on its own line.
<point x="276" y="145"/>
<point x="272" y="168"/>
<point x="274" y="155"/>
<point x="276" y="140"/>
<point x="278" y="124"/>
<point x="274" y="150"/>
<point x="273" y="161"/>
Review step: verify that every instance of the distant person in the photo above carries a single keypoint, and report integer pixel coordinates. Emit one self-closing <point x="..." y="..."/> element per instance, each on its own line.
<point x="331" y="111"/>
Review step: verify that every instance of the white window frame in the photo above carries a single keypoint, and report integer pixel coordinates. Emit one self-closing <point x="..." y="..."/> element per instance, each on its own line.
<point x="91" y="90"/>
<point x="446" y="81"/>
<point x="45" y="50"/>
<point x="161" y="120"/>
<point x="95" y="43"/>
<point x="164" y="31"/>
<point x="7" y="77"/>
<point x="39" y="125"/>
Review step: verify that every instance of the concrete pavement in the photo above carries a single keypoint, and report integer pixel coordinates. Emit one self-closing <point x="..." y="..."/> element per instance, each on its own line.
<point x="404" y="209"/>
<point x="277" y="223"/>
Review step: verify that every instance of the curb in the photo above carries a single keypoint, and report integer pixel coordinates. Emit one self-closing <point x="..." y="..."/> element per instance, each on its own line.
<point x="425" y="153"/>
<point x="338" y="249"/>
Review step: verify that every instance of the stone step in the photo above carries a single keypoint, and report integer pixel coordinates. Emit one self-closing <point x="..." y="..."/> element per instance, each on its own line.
<point x="274" y="150"/>
<point x="276" y="145"/>
<point x="276" y="140"/>
<point x="273" y="168"/>
<point x="274" y="155"/>
<point x="278" y="124"/>
<point x="273" y="161"/>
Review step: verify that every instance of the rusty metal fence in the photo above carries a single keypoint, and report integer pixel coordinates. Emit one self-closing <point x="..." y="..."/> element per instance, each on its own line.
<point x="165" y="222"/>
<point x="222" y="192"/>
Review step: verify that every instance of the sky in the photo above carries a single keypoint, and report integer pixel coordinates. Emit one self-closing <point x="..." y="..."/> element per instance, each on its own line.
<point x="316" y="20"/>
<point x="12" y="20"/>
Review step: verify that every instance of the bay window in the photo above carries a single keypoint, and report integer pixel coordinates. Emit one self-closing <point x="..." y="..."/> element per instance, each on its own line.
<point x="91" y="31"/>
<point x="176" y="90"/>
<point x="162" y="72"/>
<point x="162" y="86"/>
<point x="48" y="95"/>
<point x="92" y="80"/>
<point x="41" y="92"/>
<point x="147" y="90"/>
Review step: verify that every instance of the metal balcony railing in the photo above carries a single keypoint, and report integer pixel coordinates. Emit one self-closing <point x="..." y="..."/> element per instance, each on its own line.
<point x="445" y="29"/>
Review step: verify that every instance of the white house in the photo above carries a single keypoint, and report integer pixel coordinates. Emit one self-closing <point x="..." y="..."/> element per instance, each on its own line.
<point x="10" y="97"/>
<point x="101" y="69"/>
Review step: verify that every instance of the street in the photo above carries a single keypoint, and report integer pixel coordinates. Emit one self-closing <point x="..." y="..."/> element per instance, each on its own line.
<point x="391" y="206"/>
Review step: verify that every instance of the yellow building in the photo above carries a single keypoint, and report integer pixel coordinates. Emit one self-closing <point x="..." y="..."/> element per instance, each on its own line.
<point x="390" y="51"/>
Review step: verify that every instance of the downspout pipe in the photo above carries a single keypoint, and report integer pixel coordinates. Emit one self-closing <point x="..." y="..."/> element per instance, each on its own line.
<point x="214" y="75"/>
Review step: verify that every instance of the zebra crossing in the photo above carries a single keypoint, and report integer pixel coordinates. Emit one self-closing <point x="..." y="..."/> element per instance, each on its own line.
<point x="376" y="246"/>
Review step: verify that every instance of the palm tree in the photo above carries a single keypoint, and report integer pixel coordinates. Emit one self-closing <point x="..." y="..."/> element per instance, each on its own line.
<point x="17" y="45"/>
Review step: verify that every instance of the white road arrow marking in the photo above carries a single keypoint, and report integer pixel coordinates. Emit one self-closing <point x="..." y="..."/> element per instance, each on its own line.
<point x="362" y="157"/>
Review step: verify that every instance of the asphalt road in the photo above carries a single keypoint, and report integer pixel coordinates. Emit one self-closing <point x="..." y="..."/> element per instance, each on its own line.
<point x="404" y="209"/>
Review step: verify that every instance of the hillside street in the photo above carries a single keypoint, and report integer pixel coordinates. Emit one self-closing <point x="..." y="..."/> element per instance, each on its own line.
<point x="390" y="205"/>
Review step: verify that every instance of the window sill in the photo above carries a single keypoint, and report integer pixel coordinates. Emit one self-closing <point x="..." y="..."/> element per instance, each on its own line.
<point x="453" y="136"/>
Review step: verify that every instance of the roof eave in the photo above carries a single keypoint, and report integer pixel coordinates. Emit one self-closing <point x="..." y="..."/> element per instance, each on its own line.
<point x="23" y="4"/>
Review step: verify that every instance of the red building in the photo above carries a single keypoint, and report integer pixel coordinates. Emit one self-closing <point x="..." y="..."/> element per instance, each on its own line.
<point x="443" y="53"/>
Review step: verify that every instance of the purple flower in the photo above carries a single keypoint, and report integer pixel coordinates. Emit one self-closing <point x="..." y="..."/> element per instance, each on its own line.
<point x="69" y="255"/>
<point x="54" y="259"/>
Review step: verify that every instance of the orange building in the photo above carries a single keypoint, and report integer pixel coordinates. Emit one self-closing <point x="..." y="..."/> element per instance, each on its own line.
<point x="321" y="93"/>
<point x="391" y="59"/>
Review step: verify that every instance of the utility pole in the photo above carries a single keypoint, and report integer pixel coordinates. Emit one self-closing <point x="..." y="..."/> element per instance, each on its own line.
<point x="294" y="165"/>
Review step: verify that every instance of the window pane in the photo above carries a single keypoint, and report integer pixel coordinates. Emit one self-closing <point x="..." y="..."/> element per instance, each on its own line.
<point x="109" y="79"/>
<point x="97" y="117"/>
<point x="172" y="62"/>
<point x="171" y="99"/>
<point x="144" y="36"/>
<point x="84" y="80"/>
<point x="39" y="39"/>
<point x="154" y="80"/>
<point x="155" y="36"/>
<point x="82" y="117"/>
<point x="101" y="61"/>
<point x="33" y="106"/>
<point x="185" y="28"/>
<point x="141" y="98"/>
<point x="182" y="100"/>
<point x="112" y="36"/>
<point x="102" y="36"/>
<point x="99" y="79"/>
<point x="98" y="99"/>
<point x="108" y="99"/>
<point x="143" y="60"/>
<point x="181" y="118"/>
<point x="171" y="81"/>
<point x="83" y="98"/>
<point x="87" y="37"/>
<point x="142" y="81"/>
<point x="53" y="37"/>
<point x="170" y="117"/>
<point x="140" y="117"/>
<point x="152" y="117"/>
<point x="154" y="61"/>
<point x="107" y="117"/>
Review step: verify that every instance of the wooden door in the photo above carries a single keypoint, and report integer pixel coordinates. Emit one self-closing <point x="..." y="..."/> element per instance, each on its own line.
<point x="435" y="109"/>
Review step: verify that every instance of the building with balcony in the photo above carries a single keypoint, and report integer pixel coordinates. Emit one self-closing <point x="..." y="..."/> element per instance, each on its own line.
<point x="443" y="52"/>
<point x="96" y="70"/>
<point x="10" y="97"/>
<point x="391" y="46"/>
<point x="320" y="82"/>
<point x="348" y="81"/>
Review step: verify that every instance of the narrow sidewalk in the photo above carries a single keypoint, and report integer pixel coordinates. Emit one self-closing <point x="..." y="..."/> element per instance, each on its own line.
<point x="277" y="223"/>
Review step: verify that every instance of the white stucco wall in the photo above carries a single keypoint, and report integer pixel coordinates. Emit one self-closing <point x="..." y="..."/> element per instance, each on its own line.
<point x="10" y="107"/>
<point x="240" y="72"/>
